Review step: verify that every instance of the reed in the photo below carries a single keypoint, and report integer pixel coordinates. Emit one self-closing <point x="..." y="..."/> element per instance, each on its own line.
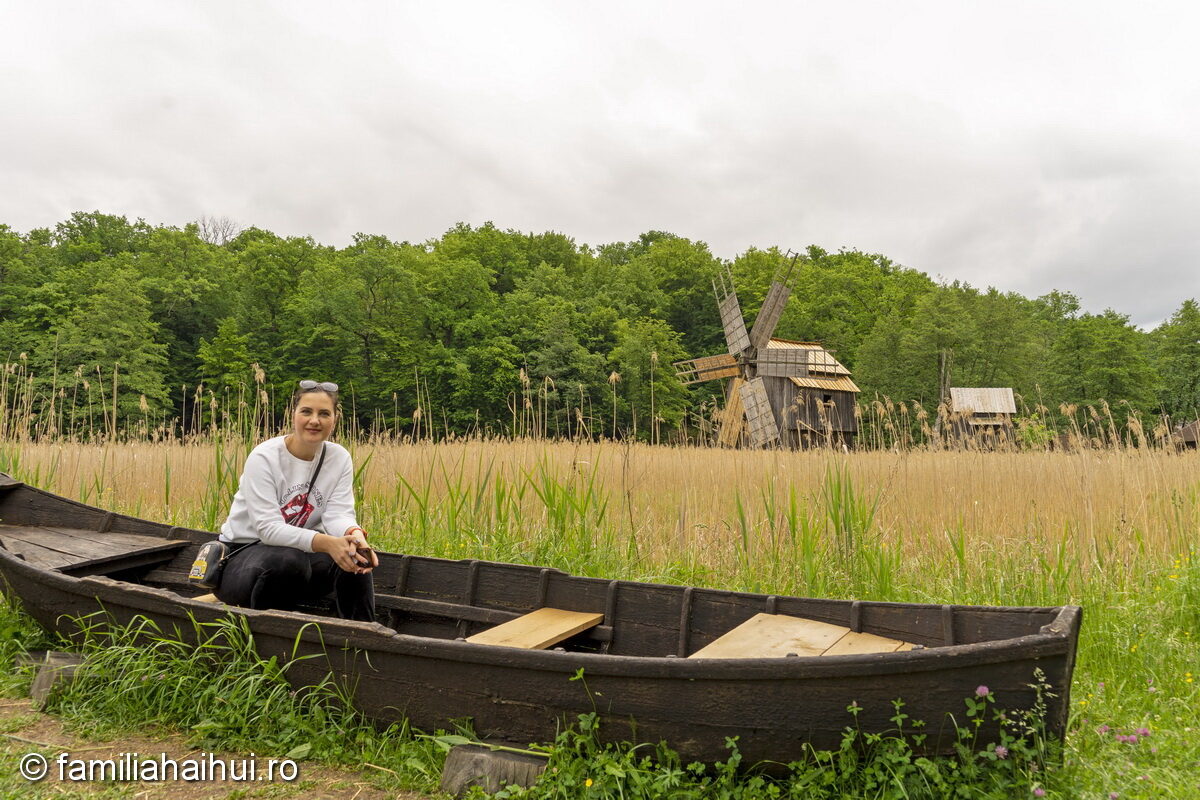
<point x="87" y="408"/>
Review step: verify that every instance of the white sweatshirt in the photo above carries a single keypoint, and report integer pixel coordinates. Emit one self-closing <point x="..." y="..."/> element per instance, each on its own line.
<point x="268" y="506"/>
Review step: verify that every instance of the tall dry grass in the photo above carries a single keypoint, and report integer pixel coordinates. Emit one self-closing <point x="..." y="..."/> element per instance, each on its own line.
<point x="718" y="516"/>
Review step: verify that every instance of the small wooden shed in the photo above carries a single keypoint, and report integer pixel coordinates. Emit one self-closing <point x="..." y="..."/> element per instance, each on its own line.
<point x="982" y="413"/>
<point x="1187" y="435"/>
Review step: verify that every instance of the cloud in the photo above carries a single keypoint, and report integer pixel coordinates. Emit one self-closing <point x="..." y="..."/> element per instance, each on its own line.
<point x="1021" y="145"/>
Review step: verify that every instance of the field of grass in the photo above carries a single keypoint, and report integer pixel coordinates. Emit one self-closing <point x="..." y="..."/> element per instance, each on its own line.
<point x="1112" y="530"/>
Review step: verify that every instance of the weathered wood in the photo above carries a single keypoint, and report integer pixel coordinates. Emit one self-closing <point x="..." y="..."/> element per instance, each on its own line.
<point x="121" y="561"/>
<point x="58" y="670"/>
<point x="206" y="598"/>
<point x="774" y="635"/>
<point x="539" y="629"/>
<point x="36" y="554"/>
<point x="858" y="643"/>
<point x="470" y="765"/>
<point x="33" y="658"/>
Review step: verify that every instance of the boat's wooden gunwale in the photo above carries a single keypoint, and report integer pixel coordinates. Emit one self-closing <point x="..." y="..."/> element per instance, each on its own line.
<point x="380" y="637"/>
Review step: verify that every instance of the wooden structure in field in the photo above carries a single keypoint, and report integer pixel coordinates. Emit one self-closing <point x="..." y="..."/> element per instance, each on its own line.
<point x="983" y="415"/>
<point x="780" y="392"/>
<point x="983" y="409"/>
<point x="1186" y="436"/>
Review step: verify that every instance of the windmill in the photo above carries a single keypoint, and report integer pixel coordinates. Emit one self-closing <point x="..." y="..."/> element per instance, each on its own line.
<point x="771" y="378"/>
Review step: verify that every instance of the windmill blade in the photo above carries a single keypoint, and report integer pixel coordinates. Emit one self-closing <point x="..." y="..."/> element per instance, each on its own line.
<point x="707" y="368"/>
<point x="782" y="362"/>
<point x="760" y="419"/>
<point x="773" y="305"/>
<point x="732" y="321"/>
<point x="769" y="314"/>
<point x="733" y="416"/>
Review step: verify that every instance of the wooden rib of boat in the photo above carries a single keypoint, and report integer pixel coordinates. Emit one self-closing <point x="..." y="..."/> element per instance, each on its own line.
<point x="64" y="559"/>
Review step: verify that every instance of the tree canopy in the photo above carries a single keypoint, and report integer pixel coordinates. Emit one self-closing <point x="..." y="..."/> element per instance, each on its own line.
<point x="485" y="328"/>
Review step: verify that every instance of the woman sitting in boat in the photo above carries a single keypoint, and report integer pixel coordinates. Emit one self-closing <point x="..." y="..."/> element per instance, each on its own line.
<point x="292" y="525"/>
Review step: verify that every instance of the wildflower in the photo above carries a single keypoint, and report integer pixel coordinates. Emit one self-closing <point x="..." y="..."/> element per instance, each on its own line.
<point x="1001" y="751"/>
<point x="1154" y="750"/>
<point x="1039" y="792"/>
<point x="981" y="691"/>
<point x="588" y="782"/>
<point x="1143" y="731"/>
<point x="1103" y="729"/>
<point x="1100" y="686"/>
<point x="1113" y="795"/>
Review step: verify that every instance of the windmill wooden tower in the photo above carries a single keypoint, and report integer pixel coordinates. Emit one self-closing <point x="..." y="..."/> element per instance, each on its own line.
<point x="782" y="393"/>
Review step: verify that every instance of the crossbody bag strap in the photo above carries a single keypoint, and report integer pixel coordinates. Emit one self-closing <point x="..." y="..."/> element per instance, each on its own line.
<point x="312" y="483"/>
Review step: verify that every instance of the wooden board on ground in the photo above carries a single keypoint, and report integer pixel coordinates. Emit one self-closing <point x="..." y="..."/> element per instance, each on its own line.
<point x="778" y="635"/>
<point x="539" y="629"/>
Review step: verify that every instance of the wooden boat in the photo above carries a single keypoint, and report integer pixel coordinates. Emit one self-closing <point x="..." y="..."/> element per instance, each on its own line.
<point x="423" y="658"/>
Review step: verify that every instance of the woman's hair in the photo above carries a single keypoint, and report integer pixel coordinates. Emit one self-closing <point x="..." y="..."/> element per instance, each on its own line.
<point x="319" y="388"/>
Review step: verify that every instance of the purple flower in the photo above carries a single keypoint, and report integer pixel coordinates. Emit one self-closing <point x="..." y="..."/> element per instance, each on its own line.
<point x="1100" y="685"/>
<point x="1153" y="749"/>
<point x="1001" y="751"/>
<point x="1103" y="729"/>
<point x="1143" y="731"/>
<point x="981" y="691"/>
<point x="1113" y="795"/>
<point x="1039" y="792"/>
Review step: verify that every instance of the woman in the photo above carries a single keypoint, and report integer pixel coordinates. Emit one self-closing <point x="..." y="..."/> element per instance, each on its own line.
<point x="292" y="526"/>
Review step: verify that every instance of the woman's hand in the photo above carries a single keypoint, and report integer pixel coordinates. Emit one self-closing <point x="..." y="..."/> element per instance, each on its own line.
<point x="344" y="551"/>
<point x="359" y="537"/>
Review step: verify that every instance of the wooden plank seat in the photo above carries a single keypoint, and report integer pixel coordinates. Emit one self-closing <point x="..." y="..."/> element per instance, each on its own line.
<point x="538" y="629"/>
<point x="80" y="552"/>
<point x="779" y="635"/>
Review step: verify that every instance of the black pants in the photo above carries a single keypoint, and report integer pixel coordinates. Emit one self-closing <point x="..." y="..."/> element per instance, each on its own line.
<point x="262" y="576"/>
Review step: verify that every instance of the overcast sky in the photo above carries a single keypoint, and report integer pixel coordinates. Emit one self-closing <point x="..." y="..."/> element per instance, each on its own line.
<point x="1025" y="145"/>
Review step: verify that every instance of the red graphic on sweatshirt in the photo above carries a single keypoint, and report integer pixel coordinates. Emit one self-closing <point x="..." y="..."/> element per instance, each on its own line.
<point x="297" y="510"/>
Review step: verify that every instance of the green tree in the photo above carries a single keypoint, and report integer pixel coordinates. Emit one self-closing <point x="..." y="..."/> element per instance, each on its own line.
<point x="112" y="333"/>
<point x="1177" y="357"/>
<point x="225" y="361"/>
<point x="651" y="397"/>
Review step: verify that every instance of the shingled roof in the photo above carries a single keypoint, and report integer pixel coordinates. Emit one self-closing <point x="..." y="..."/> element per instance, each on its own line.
<point x="983" y="401"/>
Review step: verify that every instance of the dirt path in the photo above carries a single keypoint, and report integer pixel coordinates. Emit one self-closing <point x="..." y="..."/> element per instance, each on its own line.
<point x="24" y="731"/>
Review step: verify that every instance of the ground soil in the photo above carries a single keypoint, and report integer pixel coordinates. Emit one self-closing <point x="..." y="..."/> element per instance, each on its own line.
<point x="24" y="730"/>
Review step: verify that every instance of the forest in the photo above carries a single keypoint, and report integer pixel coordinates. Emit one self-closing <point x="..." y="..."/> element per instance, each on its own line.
<point x="104" y="322"/>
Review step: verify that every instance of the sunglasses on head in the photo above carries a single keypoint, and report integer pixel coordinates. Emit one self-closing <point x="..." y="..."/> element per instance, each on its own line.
<point x="324" y="385"/>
